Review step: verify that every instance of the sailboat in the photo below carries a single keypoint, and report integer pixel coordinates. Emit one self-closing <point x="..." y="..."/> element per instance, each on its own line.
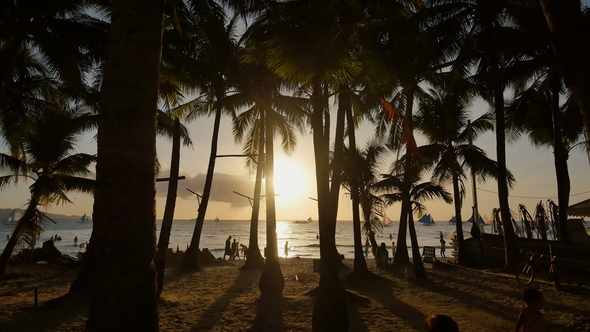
<point x="308" y="220"/>
<point x="453" y="220"/>
<point x="216" y="219"/>
<point x="426" y="220"/>
<point x="84" y="218"/>
<point x="386" y="221"/>
<point x="12" y="218"/>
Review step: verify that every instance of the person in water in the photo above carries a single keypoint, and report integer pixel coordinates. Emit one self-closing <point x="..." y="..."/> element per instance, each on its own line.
<point x="76" y="240"/>
<point x="286" y="249"/>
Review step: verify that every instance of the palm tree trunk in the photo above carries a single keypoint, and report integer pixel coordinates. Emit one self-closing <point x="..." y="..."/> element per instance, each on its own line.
<point x="191" y="257"/>
<point x="560" y="157"/>
<point x="360" y="264"/>
<point x="16" y="234"/>
<point x="419" y="271"/>
<point x="123" y="242"/>
<point x="271" y="281"/>
<point x="253" y="258"/>
<point x="401" y="251"/>
<point x="511" y="254"/>
<point x="163" y="242"/>
<point x="329" y="311"/>
<point x="458" y="219"/>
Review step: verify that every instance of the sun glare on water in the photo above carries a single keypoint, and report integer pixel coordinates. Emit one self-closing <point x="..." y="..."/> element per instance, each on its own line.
<point x="290" y="181"/>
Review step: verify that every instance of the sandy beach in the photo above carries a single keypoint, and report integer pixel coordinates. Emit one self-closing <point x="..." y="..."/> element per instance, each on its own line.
<point x="224" y="298"/>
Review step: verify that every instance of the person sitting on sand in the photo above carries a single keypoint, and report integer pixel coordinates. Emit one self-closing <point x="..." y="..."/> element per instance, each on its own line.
<point x="227" y="251"/>
<point x="441" y="323"/>
<point x="530" y="318"/>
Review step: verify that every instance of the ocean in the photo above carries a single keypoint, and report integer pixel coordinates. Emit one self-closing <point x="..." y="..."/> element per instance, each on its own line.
<point x="301" y="236"/>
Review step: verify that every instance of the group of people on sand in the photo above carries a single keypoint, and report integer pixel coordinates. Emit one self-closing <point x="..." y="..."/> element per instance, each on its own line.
<point x="231" y="249"/>
<point x="530" y="319"/>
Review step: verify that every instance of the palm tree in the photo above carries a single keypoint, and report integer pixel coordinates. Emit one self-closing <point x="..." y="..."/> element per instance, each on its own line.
<point x="213" y="59"/>
<point x="258" y="88"/>
<point x="366" y="171"/>
<point x="405" y="187"/>
<point x="537" y="113"/>
<point x="44" y="152"/>
<point x="443" y="118"/>
<point x="122" y="246"/>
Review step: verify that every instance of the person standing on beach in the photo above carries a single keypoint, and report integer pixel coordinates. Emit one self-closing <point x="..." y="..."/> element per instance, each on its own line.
<point x="442" y="245"/>
<point x="76" y="240"/>
<point x="286" y="249"/>
<point x="234" y="250"/>
<point x="227" y="251"/>
<point x="531" y="319"/>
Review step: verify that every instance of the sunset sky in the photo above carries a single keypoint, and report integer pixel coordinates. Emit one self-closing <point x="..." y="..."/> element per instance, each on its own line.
<point x="532" y="167"/>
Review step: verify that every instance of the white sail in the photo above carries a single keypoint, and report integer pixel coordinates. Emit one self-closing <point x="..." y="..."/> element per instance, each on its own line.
<point x="12" y="218"/>
<point x="84" y="218"/>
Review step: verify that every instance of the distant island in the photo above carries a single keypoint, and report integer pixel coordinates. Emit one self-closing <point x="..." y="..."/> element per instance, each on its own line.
<point x="5" y="212"/>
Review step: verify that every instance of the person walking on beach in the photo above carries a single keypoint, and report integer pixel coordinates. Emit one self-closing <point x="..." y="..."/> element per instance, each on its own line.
<point x="227" y="251"/>
<point x="530" y="318"/>
<point x="234" y="250"/>
<point x="76" y="240"/>
<point x="244" y="250"/>
<point x="442" y="245"/>
<point x="367" y="245"/>
<point x="286" y="249"/>
<point x="382" y="256"/>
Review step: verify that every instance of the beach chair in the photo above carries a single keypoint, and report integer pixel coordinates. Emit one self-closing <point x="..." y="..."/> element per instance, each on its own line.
<point x="428" y="255"/>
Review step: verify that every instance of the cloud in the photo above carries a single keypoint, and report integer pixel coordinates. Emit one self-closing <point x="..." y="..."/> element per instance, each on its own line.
<point x="222" y="190"/>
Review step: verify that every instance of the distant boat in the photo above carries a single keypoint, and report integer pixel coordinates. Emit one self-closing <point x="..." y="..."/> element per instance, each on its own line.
<point x="426" y="220"/>
<point x="386" y="221"/>
<point x="84" y="218"/>
<point x="216" y="219"/>
<point x="308" y="220"/>
<point x="12" y="218"/>
<point x="453" y="220"/>
<point x="481" y="221"/>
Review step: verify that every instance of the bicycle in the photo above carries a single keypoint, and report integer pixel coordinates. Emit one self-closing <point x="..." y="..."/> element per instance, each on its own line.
<point x="529" y="268"/>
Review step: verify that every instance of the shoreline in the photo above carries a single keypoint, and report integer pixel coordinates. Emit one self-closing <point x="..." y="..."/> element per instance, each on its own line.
<point x="224" y="298"/>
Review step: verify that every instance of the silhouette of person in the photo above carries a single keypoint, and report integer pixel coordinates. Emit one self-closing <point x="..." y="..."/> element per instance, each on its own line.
<point x="286" y="249"/>
<point x="76" y="240"/>
<point x="227" y="251"/>
<point x="234" y="250"/>
<point x="441" y="323"/>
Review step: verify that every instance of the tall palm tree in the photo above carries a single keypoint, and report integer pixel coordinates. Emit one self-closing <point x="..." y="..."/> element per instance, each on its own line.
<point x="538" y="113"/>
<point x="44" y="152"/>
<point x="259" y="88"/>
<point x="123" y="237"/>
<point x="405" y="187"/>
<point x="366" y="171"/>
<point x="443" y="118"/>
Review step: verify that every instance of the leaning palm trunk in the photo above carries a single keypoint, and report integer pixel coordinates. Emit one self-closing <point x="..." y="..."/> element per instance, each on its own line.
<point x="419" y="271"/>
<point x="22" y="224"/>
<point x="123" y="242"/>
<point x="253" y="257"/>
<point x="329" y="311"/>
<point x="160" y="259"/>
<point x="191" y="258"/>
<point x="401" y="251"/>
<point x="271" y="281"/>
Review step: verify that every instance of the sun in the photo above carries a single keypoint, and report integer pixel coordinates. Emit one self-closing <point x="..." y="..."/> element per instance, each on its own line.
<point x="290" y="181"/>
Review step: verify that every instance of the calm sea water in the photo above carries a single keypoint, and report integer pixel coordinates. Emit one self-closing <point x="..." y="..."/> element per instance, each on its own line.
<point x="301" y="236"/>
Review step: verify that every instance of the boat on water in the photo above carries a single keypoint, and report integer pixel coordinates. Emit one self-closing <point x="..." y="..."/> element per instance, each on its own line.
<point x="84" y="218"/>
<point x="386" y="221"/>
<point x="426" y="220"/>
<point x="216" y="219"/>
<point x="481" y="221"/>
<point x="452" y="221"/>
<point x="308" y="220"/>
<point x="12" y="218"/>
